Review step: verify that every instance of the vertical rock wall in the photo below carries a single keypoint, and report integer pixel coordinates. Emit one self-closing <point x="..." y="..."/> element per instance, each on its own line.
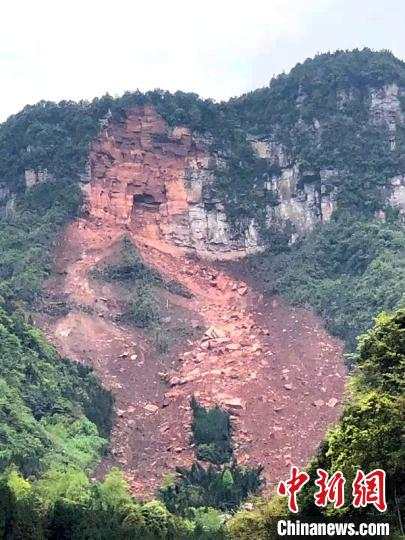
<point x="148" y="176"/>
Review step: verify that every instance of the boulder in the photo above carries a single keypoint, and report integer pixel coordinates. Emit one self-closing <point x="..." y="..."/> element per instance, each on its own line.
<point x="150" y="407"/>
<point x="214" y="332"/>
<point x="177" y="381"/>
<point x="318" y="403"/>
<point x="234" y="403"/>
<point x="332" y="402"/>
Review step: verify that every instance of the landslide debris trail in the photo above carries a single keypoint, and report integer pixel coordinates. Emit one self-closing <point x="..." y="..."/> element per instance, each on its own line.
<point x="273" y="367"/>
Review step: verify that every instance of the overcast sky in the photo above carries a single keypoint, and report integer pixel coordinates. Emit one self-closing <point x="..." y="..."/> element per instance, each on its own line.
<point x="73" y="49"/>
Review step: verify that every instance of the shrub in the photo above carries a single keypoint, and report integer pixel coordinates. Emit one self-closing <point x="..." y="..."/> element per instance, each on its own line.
<point x="218" y="487"/>
<point x="211" y="433"/>
<point x="143" y="310"/>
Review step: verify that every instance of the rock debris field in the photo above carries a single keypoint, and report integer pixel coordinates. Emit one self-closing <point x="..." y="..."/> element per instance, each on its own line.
<point x="272" y="366"/>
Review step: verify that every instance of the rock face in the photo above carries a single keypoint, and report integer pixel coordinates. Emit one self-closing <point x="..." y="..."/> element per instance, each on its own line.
<point x="397" y="198"/>
<point x="6" y="199"/>
<point x="4" y="192"/>
<point x="385" y="108"/>
<point x="302" y="197"/>
<point x="147" y="176"/>
<point x="143" y="174"/>
<point x="33" y="177"/>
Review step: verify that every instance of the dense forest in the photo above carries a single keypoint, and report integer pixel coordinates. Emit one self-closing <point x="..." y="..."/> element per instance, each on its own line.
<point x="53" y="412"/>
<point x="55" y="416"/>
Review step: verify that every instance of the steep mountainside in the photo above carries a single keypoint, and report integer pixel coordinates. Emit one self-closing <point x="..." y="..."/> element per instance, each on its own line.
<point x="324" y="144"/>
<point x="148" y="237"/>
<point x="335" y="127"/>
<point x="245" y="346"/>
<point x="329" y="135"/>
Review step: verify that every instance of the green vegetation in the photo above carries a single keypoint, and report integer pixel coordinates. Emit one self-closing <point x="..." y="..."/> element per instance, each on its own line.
<point x="369" y="433"/>
<point x="52" y="412"/>
<point x="223" y="484"/>
<point x="211" y="433"/>
<point x="55" y="418"/>
<point x="353" y="267"/>
<point x="348" y="270"/>
<point x="143" y="309"/>
<point x="331" y="89"/>
<point x="49" y="136"/>
<point x="65" y="505"/>
<point x="131" y="269"/>
<point x="320" y="113"/>
<point x="142" y="305"/>
<point x="28" y="237"/>
<point x="142" y="286"/>
<point x="222" y="488"/>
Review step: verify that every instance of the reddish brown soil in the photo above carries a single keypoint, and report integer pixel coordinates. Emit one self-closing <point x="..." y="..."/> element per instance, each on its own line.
<point x="263" y="360"/>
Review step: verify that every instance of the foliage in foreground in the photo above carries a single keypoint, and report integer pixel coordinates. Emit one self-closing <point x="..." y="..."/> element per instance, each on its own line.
<point x="369" y="434"/>
<point x="224" y="488"/>
<point x="223" y="484"/>
<point x="66" y="506"/>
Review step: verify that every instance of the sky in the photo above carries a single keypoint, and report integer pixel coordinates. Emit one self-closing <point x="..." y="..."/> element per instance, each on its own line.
<point x="79" y="49"/>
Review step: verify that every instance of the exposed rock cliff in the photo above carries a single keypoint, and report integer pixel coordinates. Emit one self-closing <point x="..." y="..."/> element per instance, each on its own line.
<point x="385" y="108"/>
<point x="220" y="179"/>
<point x="302" y="198"/>
<point x="397" y="198"/>
<point x="35" y="177"/>
<point x="148" y="176"/>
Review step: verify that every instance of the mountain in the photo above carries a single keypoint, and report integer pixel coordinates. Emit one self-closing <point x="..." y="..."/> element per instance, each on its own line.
<point x="328" y="134"/>
<point x="147" y="236"/>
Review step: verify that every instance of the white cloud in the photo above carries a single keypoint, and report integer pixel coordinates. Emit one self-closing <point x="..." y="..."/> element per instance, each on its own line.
<point x="80" y="49"/>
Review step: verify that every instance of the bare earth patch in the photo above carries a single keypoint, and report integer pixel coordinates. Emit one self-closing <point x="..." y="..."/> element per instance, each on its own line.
<point x="272" y="366"/>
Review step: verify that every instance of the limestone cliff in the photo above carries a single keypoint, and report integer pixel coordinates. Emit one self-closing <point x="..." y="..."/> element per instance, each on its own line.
<point x="145" y="175"/>
<point x="307" y="196"/>
<point x="302" y="198"/>
<point x="385" y="108"/>
<point x="219" y="179"/>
